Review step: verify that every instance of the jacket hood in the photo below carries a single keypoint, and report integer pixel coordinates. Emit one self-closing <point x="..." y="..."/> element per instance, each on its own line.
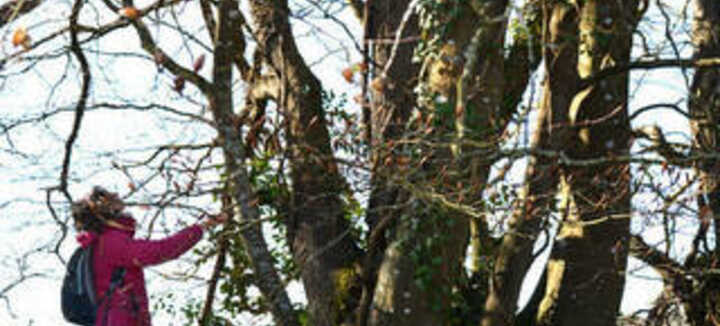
<point x="86" y="238"/>
<point x="128" y="224"/>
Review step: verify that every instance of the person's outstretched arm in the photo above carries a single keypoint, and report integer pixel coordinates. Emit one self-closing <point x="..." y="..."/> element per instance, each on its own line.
<point x="134" y="252"/>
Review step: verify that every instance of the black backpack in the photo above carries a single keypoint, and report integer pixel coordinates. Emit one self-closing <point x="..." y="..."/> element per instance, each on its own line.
<point x="78" y="301"/>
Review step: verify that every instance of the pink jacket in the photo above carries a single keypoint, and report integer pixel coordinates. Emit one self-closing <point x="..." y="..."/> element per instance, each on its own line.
<point x="115" y="248"/>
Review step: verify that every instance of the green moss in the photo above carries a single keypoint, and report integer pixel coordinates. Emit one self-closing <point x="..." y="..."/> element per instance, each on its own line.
<point x="343" y="281"/>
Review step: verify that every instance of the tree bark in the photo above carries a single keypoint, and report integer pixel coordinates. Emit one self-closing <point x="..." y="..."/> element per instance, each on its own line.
<point x="703" y="106"/>
<point x="12" y="10"/>
<point x="321" y="242"/>
<point x="221" y="105"/>
<point x="704" y="111"/>
<point x="515" y="253"/>
<point x="390" y="107"/>
<point x="422" y="265"/>
<point x="585" y="274"/>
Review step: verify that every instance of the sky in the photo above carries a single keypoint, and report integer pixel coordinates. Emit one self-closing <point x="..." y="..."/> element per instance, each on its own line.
<point x="25" y="223"/>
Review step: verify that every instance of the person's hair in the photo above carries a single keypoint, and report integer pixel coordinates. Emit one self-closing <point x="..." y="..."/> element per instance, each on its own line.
<point x="90" y="213"/>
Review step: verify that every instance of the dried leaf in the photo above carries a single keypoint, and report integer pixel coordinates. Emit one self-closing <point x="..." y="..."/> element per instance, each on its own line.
<point x="429" y="130"/>
<point x="388" y="161"/>
<point x="179" y="84"/>
<point x="159" y="57"/>
<point x="251" y="140"/>
<point x="349" y="121"/>
<point x="254" y="202"/>
<point x="129" y="12"/>
<point x="131" y="186"/>
<point x="705" y="212"/>
<point x="348" y="74"/>
<point x="378" y="84"/>
<point x="459" y="110"/>
<point x="199" y="62"/>
<point x="403" y="161"/>
<point x="21" y="38"/>
<point x="259" y="122"/>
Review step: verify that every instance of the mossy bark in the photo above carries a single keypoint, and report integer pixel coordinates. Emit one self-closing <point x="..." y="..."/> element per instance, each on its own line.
<point x="319" y="235"/>
<point x="422" y="266"/>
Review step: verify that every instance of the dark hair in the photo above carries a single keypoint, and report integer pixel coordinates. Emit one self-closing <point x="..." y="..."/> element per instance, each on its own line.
<point x="99" y="193"/>
<point x="91" y="212"/>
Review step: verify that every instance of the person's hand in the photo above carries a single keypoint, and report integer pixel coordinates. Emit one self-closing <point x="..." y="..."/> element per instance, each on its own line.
<point x="214" y="220"/>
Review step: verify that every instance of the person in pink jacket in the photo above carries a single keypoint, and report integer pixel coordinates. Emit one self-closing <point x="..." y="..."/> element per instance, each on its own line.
<point x="102" y="222"/>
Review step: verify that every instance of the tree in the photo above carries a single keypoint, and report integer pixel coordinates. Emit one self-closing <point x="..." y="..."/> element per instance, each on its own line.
<point x="587" y="264"/>
<point x="689" y="280"/>
<point x="396" y="208"/>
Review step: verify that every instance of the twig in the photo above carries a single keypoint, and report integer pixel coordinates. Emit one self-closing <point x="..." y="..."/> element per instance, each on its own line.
<point x="654" y="64"/>
<point x="217" y="269"/>
<point x="80" y="107"/>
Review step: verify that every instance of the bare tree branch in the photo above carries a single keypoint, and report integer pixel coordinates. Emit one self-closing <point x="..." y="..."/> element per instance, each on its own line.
<point x="11" y="10"/>
<point x="219" y="265"/>
<point x="79" y="112"/>
<point x="149" y="45"/>
<point x="647" y="65"/>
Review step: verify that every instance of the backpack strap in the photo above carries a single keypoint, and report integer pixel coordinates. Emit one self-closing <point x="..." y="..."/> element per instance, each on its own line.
<point x="116" y="280"/>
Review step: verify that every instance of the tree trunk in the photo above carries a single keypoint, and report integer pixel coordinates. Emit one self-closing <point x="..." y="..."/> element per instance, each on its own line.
<point x="587" y="266"/>
<point x="321" y="242"/>
<point x="515" y="253"/>
<point x="422" y="265"/>
<point x="390" y="107"/>
<point x="221" y="105"/>
<point x="703" y="106"/>
<point x="704" y="119"/>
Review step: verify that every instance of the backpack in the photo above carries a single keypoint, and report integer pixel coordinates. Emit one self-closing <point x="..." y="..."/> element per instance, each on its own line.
<point x="78" y="301"/>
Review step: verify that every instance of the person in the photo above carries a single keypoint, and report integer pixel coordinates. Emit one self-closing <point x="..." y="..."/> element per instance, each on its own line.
<point x="102" y="221"/>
